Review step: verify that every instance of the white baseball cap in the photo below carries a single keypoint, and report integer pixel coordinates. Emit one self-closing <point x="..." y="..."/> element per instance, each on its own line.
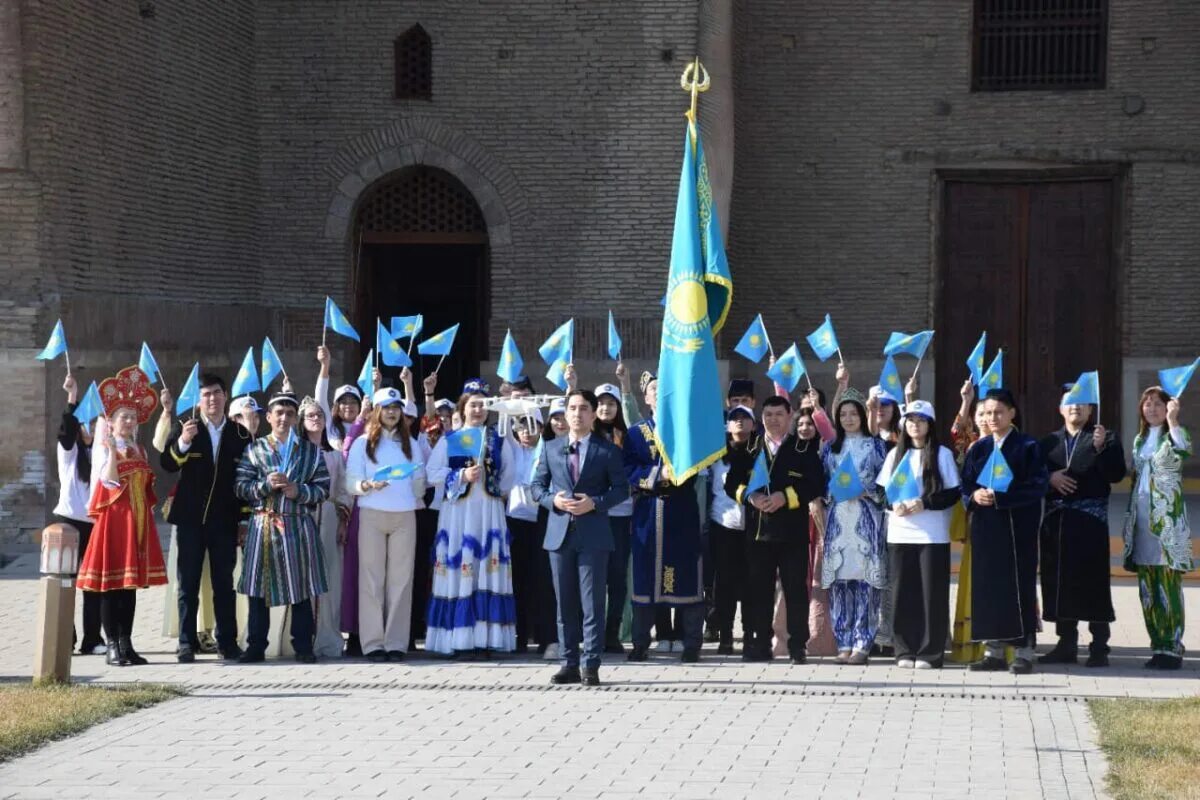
<point x="443" y="403"/>
<point x="609" y="389"/>
<point x="387" y="396"/>
<point x="922" y="407"/>
<point x="558" y="406"/>
<point x="348" y="388"/>
<point x="243" y="404"/>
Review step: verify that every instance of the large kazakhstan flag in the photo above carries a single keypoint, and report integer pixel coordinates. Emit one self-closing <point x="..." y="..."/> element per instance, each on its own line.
<point x="689" y="423"/>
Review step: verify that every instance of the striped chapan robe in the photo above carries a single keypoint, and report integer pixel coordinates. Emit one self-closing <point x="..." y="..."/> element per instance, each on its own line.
<point x="283" y="562"/>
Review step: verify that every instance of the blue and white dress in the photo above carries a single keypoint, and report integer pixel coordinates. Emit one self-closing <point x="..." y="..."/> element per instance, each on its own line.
<point x="471" y="603"/>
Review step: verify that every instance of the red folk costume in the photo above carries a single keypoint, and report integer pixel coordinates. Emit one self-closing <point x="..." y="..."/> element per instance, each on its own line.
<point x="124" y="551"/>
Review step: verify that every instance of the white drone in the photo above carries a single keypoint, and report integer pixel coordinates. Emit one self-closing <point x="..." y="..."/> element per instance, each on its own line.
<point x="510" y="408"/>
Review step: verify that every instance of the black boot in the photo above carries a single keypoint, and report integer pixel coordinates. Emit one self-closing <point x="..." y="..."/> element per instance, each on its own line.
<point x="114" y="657"/>
<point x="1065" y="652"/>
<point x="128" y="654"/>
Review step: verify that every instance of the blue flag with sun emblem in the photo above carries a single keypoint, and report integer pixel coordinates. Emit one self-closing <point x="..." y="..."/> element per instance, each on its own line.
<point x="975" y="360"/>
<point x="246" y="380"/>
<point x="1175" y="379"/>
<point x="754" y="344"/>
<point x="889" y="381"/>
<point x="466" y="443"/>
<point x="844" y="483"/>
<point x="688" y="417"/>
<point x="390" y="351"/>
<point x="511" y="364"/>
<point x="824" y="340"/>
<point x="994" y="377"/>
<point x="905" y="484"/>
<point x="789" y="369"/>
<point x="996" y="475"/>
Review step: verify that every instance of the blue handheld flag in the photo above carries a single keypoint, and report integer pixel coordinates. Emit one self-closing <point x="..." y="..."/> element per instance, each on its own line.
<point x="844" y="483"/>
<point x="914" y="344"/>
<point x="997" y="475"/>
<point x="994" y="377"/>
<point x="56" y="345"/>
<point x="614" y="338"/>
<point x="975" y="360"/>
<point x="1085" y="391"/>
<point x="390" y="351"/>
<point x="396" y="472"/>
<point x="190" y="394"/>
<point x="337" y="322"/>
<point x="824" y="340"/>
<point x="407" y="327"/>
<point x="366" y="375"/>
<point x="286" y="448"/>
<point x="466" y="443"/>
<point x="788" y="369"/>
<point x="148" y="365"/>
<point x="557" y="375"/>
<point x="1176" y="379"/>
<point x="246" y="380"/>
<point x="439" y="344"/>
<point x="560" y="346"/>
<point x="905" y="484"/>
<point x="511" y="365"/>
<point x="760" y="477"/>
<point x="754" y="343"/>
<point x="89" y="407"/>
<point x="889" y="382"/>
<point x="271" y="365"/>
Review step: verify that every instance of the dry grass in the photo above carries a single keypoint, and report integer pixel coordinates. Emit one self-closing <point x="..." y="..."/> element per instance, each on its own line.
<point x="31" y="716"/>
<point x="1153" y="747"/>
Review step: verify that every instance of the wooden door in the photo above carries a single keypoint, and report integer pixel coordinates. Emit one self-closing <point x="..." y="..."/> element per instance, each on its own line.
<point x="1031" y="263"/>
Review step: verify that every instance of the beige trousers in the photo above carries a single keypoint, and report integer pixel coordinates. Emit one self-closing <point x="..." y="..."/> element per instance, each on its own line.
<point x="387" y="544"/>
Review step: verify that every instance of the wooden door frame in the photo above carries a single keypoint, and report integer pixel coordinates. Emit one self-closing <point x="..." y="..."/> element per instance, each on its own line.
<point x="1116" y="172"/>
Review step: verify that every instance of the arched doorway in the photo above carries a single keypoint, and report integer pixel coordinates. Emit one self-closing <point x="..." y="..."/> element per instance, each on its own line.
<point x="424" y="250"/>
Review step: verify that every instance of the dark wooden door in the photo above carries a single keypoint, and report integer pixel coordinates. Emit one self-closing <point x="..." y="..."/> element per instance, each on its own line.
<point x="1032" y="264"/>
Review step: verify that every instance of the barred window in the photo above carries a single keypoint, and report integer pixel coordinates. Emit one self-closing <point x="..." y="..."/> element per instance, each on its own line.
<point x="1039" y="44"/>
<point x="414" y="65"/>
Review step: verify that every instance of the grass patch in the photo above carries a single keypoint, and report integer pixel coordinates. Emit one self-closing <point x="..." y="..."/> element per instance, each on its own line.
<point x="31" y="716"/>
<point x="1153" y="747"/>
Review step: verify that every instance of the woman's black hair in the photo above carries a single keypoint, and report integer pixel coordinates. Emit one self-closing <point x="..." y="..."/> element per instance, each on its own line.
<point x="931" y="473"/>
<point x="836" y="447"/>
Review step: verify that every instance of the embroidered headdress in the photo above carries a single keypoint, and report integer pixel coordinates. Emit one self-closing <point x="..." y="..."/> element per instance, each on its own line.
<point x="129" y="388"/>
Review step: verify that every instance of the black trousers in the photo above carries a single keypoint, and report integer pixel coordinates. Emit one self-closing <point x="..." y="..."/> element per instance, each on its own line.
<point x="763" y="561"/>
<point x="689" y="624"/>
<point x="422" y="573"/>
<point x="259" y="625"/>
<point x="91" y="600"/>
<point x="116" y="613"/>
<point x="219" y="541"/>
<point x="920" y="581"/>
<point x="526" y="548"/>
<point x="1068" y="635"/>
<point x="618" y="577"/>
<point x="545" y="601"/>
<point x="729" y="581"/>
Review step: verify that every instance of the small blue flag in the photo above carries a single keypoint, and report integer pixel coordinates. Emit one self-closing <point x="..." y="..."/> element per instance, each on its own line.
<point x="824" y="340"/>
<point x="286" y="448"/>
<point x="271" y="365"/>
<point x="407" y="327"/>
<point x="913" y="344"/>
<point x="760" y="478"/>
<point x="511" y="364"/>
<point x="539" y="451"/>
<point x="89" y="407"/>
<point x="994" y="377"/>
<point x="439" y="344"/>
<point x="366" y="375"/>
<point x="246" y="380"/>
<point x="754" y="343"/>
<point x="190" y="394"/>
<point x="789" y="369"/>
<point x="396" y="472"/>
<point x="889" y="381"/>
<point x="975" y="360"/>
<point x="336" y="321"/>
<point x="905" y="484"/>
<point x="390" y="351"/>
<point x="557" y="374"/>
<point x="844" y="483"/>
<point x="148" y="365"/>
<point x="614" y="338"/>
<point x="1175" y="379"/>
<point x="57" y="344"/>
<point x="996" y="475"/>
<point x="466" y="443"/>
<point x="560" y="346"/>
<point x="1085" y="391"/>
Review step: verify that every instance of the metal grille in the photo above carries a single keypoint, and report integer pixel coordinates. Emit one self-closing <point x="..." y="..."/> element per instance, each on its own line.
<point x="421" y="200"/>
<point x="1039" y="44"/>
<point x="414" y="65"/>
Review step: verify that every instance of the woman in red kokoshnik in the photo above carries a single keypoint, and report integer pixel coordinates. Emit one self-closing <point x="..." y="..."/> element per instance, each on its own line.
<point x="124" y="553"/>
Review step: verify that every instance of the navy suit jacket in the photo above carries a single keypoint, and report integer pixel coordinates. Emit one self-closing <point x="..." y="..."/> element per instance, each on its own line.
<point x="601" y="477"/>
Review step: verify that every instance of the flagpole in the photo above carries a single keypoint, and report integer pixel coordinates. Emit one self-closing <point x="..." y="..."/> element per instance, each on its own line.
<point x="378" y="344"/>
<point x="766" y="336"/>
<point x="324" y="328"/>
<point x="67" y="355"/>
<point x="841" y="361"/>
<point x="917" y="367"/>
<point x="440" y="360"/>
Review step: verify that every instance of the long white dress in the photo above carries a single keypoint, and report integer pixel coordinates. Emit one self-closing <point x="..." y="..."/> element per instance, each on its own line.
<point x="471" y="603"/>
<point x="329" y="605"/>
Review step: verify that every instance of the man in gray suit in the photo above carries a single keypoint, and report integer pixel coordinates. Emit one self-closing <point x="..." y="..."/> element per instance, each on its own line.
<point x="578" y="480"/>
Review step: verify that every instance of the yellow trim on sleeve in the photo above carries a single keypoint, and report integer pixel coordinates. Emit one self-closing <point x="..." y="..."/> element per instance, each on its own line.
<point x="793" y="499"/>
<point x="179" y="459"/>
<point x="741" y="491"/>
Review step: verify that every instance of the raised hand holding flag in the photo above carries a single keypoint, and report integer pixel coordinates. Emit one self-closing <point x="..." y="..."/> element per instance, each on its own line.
<point x="1176" y="379"/>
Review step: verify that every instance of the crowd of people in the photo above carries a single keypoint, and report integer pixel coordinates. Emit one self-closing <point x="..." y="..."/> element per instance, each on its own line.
<point x="348" y="525"/>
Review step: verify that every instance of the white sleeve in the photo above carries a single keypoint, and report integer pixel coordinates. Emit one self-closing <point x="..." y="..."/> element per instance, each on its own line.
<point x="949" y="469"/>
<point x="356" y="465"/>
<point x="508" y="465"/>
<point x="438" y="465"/>
<point x="321" y="395"/>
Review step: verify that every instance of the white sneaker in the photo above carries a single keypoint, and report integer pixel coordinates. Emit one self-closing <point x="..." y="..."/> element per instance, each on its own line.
<point x="676" y="647"/>
<point x="923" y="665"/>
<point x="905" y="663"/>
<point x="664" y="646"/>
<point x="551" y="653"/>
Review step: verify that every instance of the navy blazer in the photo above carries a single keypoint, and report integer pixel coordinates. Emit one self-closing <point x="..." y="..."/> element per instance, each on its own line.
<point x="601" y="477"/>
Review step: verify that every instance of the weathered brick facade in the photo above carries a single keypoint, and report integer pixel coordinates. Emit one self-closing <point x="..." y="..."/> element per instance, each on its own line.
<point x="188" y="173"/>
